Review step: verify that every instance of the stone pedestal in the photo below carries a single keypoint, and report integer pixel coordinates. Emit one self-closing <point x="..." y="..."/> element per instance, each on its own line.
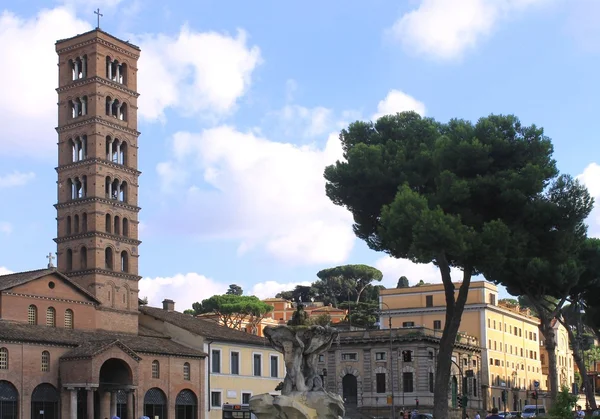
<point x="298" y="405"/>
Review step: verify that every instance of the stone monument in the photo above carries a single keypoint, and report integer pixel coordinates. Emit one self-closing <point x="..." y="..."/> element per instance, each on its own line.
<point x="302" y="395"/>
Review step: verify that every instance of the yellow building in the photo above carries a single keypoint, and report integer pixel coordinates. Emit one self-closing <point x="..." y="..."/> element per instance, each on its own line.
<point x="508" y="334"/>
<point x="240" y="364"/>
<point x="564" y="357"/>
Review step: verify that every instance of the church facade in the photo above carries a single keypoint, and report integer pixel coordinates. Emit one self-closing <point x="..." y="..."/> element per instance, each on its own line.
<point x="71" y="344"/>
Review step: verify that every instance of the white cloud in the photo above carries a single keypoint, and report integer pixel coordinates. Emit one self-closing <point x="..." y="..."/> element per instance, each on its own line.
<point x="446" y="29"/>
<point x="184" y="289"/>
<point x="290" y="90"/>
<point x="30" y="88"/>
<point x="591" y="179"/>
<point x="5" y="271"/>
<point x="263" y="194"/>
<point x="269" y="289"/>
<point x="196" y="73"/>
<point x="397" y="101"/>
<point x="298" y="120"/>
<point x="15" y="179"/>
<point x="393" y="269"/>
<point x="5" y="228"/>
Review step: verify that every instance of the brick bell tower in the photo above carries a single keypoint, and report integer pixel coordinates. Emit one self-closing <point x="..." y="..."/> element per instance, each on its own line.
<point x="97" y="173"/>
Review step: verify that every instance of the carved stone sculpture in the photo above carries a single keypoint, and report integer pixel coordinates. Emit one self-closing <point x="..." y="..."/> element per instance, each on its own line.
<point x="302" y="395"/>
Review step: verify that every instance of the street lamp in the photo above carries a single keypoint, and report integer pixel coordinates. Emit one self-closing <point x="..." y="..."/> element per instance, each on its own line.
<point x="391" y="364"/>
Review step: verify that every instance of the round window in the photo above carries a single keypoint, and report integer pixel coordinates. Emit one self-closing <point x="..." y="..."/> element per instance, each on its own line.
<point x="51" y="285"/>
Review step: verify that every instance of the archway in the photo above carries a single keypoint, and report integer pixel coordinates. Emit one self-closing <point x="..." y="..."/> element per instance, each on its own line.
<point x="155" y="404"/>
<point x="9" y="400"/>
<point x="115" y="374"/>
<point x="186" y="405"/>
<point x="350" y="388"/>
<point x="44" y="402"/>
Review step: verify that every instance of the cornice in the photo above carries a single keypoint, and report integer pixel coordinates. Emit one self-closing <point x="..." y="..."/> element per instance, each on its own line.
<point x="99" y="41"/>
<point x="95" y="160"/>
<point x="110" y="202"/>
<point x="104" y="272"/>
<point x="91" y="234"/>
<point x="97" y="79"/>
<point x="97" y="120"/>
<point x="41" y="297"/>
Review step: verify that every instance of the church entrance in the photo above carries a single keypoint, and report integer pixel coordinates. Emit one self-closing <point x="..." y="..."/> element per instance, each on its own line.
<point x="114" y="397"/>
<point x="186" y="405"/>
<point x="122" y="404"/>
<point x="350" y="389"/>
<point x="155" y="404"/>
<point x="9" y="400"/>
<point x="44" y="402"/>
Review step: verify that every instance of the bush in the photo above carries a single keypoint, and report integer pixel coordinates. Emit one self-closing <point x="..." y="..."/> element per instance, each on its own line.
<point x="563" y="407"/>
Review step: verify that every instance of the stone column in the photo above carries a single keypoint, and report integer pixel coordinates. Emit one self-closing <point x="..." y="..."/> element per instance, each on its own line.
<point x="83" y="67"/>
<point x="73" y="404"/>
<point x="75" y="110"/>
<point x="118" y="73"/>
<point x="83" y="148"/>
<point x="130" y="410"/>
<point x="83" y="106"/>
<point x="109" y="188"/>
<point x="119" y="154"/>
<point x="119" y="114"/>
<point x="110" y="144"/>
<point x="104" y="404"/>
<point x="113" y="403"/>
<point x="76" y="66"/>
<point x="90" y="403"/>
<point x="110" y="70"/>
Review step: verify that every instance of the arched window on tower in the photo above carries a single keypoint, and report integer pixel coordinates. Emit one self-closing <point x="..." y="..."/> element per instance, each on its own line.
<point x="108" y="187"/>
<point x="115" y="189"/>
<point x="109" y="105"/>
<point x="108" y="258"/>
<point x="74" y="151"/>
<point x="115" y="109"/>
<point x="84" y="105"/>
<point x="76" y="224"/>
<point x="116" y="150"/>
<point x="84" y="223"/>
<point x="123" y="195"/>
<point x="32" y="314"/>
<point x="124" y="261"/>
<point x="69" y="224"/>
<point x="123" y="157"/>
<point x="115" y="71"/>
<point x="123" y="74"/>
<point x="109" y="68"/>
<point x="68" y="318"/>
<point x="108" y="224"/>
<point x="122" y="115"/>
<point x="117" y="225"/>
<point x="83" y="257"/>
<point x="125" y="227"/>
<point x="50" y="317"/>
<point x="69" y="260"/>
<point x="71" y="188"/>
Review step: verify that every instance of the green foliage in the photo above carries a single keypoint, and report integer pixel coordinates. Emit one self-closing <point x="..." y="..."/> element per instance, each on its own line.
<point x="362" y="314"/>
<point x="198" y="309"/>
<point x="300" y="293"/>
<point x="353" y="278"/>
<point x="564" y="404"/>
<point x="403" y="282"/>
<point x="233" y="309"/>
<point x="443" y="193"/>
<point x="578" y="379"/>
<point x="320" y="320"/>
<point x="235" y="290"/>
<point x="421" y="283"/>
<point x="591" y="357"/>
<point x="189" y="311"/>
<point x="512" y="301"/>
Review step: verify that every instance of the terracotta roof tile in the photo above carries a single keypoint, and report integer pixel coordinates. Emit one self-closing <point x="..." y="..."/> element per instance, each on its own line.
<point x="20" y="332"/>
<point x="204" y="327"/>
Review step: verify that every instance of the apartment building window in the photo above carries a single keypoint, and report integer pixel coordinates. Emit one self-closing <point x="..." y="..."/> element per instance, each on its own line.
<point x="408" y="324"/>
<point x="349" y="356"/>
<point x="535" y="336"/>
<point x="490" y="343"/>
<point x="379" y="356"/>
<point x="495" y="346"/>
<point x="215" y="399"/>
<point x="437" y="324"/>
<point x="489" y="323"/>
<point x="321" y="358"/>
<point x="491" y="361"/>
<point x="257" y="365"/>
<point x="542" y="359"/>
<point x="215" y="357"/>
<point x="235" y="363"/>
<point x="474" y="387"/>
<point x="465" y="362"/>
<point x="494" y="324"/>
<point x="520" y="330"/>
<point x="430" y="355"/>
<point x="493" y="299"/>
<point x="274" y="366"/>
<point x="380" y="382"/>
<point x="246" y="398"/>
<point x="429" y="301"/>
<point x="431" y="382"/>
<point x="497" y="362"/>
<point x="407" y="382"/>
<point x="521" y="352"/>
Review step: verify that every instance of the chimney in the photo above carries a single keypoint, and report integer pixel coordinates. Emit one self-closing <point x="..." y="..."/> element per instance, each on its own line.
<point x="168" y="305"/>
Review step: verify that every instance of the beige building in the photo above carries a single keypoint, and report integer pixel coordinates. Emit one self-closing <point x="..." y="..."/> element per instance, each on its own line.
<point x="239" y="364"/>
<point x="509" y="336"/>
<point x="359" y="368"/>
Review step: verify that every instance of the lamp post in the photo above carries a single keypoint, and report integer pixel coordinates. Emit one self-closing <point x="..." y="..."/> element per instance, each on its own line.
<point x="391" y="361"/>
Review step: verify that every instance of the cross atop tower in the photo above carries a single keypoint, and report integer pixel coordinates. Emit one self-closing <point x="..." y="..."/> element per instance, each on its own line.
<point x="97" y="12"/>
<point x="50" y="257"/>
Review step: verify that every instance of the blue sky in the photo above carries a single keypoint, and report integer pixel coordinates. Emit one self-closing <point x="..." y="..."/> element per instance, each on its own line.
<point x="240" y="107"/>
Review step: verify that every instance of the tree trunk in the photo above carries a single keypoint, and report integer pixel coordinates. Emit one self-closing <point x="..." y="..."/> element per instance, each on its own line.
<point x="550" y="344"/>
<point x="454" y="310"/>
<point x="577" y="355"/>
